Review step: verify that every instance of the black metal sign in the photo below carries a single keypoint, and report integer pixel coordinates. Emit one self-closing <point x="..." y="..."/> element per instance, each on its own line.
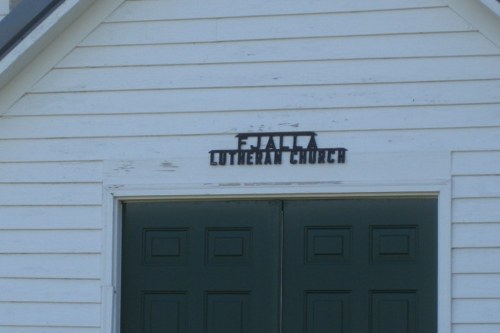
<point x="271" y="148"/>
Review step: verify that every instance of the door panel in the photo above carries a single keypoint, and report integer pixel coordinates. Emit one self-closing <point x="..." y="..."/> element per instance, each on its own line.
<point x="343" y="266"/>
<point x="356" y="266"/>
<point x="209" y="267"/>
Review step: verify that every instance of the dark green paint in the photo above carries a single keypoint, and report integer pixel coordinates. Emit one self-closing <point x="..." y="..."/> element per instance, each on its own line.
<point x="349" y="266"/>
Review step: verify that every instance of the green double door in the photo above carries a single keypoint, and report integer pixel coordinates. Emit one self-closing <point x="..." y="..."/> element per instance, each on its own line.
<point x="309" y="266"/>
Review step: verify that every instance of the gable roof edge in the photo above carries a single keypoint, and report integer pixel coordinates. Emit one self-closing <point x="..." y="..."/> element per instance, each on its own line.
<point x="47" y="44"/>
<point x="42" y="35"/>
<point x="481" y="15"/>
<point x="493" y="5"/>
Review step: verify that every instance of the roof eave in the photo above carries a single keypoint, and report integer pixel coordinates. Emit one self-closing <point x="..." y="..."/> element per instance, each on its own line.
<point x="46" y="30"/>
<point x="493" y="5"/>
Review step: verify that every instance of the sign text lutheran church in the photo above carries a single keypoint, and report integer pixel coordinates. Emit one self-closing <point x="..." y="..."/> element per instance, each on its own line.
<point x="271" y="148"/>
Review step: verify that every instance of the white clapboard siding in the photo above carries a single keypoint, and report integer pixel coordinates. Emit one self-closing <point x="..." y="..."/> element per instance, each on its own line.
<point x="258" y="98"/>
<point x="161" y="172"/>
<point x="476" y="235"/>
<point x="476" y="285"/>
<point x="46" y="172"/>
<point x="165" y="10"/>
<point x="50" y="194"/>
<point x="476" y="163"/>
<point x="50" y="241"/>
<point x="271" y="74"/>
<point x="483" y="260"/>
<point x="221" y="123"/>
<point x="51" y="217"/>
<point x="271" y="27"/>
<point x="195" y="148"/>
<point x="476" y="328"/>
<point x="39" y="329"/>
<point x="68" y="266"/>
<point x="476" y="186"/>
<point x="476" y="311"/>
<point x="50" y="290"/>
<point x="476" y="210"/>
<point x="52" y="314"/>
<point x="325" y="48"/>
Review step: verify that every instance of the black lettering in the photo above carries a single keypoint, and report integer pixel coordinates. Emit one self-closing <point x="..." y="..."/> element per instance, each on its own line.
<point x="231" y="156"/>
<point x="302" y="156"/>
<point x="330" y="158"/>
<point x="270" y="144"/>
<point x="277" y="157"/>
<point x="212" y="158"/>
<point x="341" y="155"/>
<point x="321" y="156"/>
<point x="312" y="156"/>
<point x="282" y="147"/>
<point x="222" y="158"/>
<point x="241" y="158"/>
<point x="267" y="159"/>
<point x="258" y="158"/>
<point x="249" y="158"/>
<point x="312" y="143"/>
<point x="258" y="144"/>
<point x="295" y="146"/>
<point x="292" y="159"/>
<point x="241" y="141"/>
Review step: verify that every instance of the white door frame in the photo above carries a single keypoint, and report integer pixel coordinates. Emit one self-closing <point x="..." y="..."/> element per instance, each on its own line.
<point x="114" y="195"/>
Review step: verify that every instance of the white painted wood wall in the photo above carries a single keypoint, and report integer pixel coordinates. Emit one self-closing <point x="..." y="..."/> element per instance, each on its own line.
<point x="157" y="85"/>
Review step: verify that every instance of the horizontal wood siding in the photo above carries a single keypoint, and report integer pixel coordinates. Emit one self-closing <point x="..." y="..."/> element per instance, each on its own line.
<point x="476" y="249"/>
<point x="40" y="329"/>
<point x="476" y="328"/>
<point x="50" y="246"/>
<point x="133" y="11"/>
<point x="281" y="50"/>
<point x="277" y="27"/>
<point x="151" y="90"/>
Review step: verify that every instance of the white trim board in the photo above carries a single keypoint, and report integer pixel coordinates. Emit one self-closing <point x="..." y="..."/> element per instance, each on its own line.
<point x="47" y="44"/>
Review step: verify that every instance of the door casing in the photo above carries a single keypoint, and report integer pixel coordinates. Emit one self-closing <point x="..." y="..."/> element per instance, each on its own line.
<point x="115" y="195"/>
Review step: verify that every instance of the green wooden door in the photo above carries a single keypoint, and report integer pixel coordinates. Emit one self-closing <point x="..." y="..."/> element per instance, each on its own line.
<point x="358" y="266"/>
<point x="344" y="266"/>
<point x="210" y="267"/>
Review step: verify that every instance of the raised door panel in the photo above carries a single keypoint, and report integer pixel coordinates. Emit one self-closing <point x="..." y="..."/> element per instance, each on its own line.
<point x="210" y="267"/>
<point x="357" y="266"/>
